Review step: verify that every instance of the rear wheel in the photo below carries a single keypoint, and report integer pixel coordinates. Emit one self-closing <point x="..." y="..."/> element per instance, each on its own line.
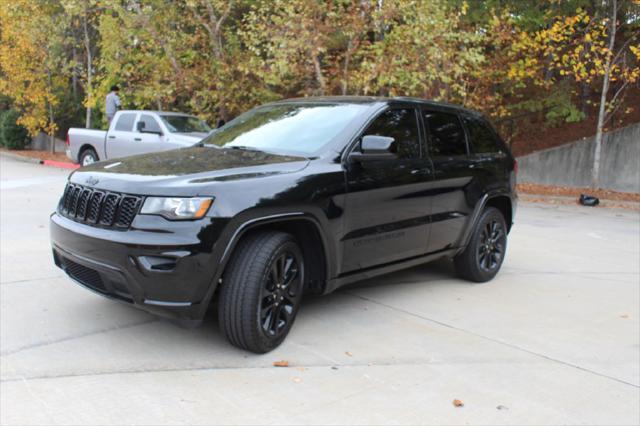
<point x="261" y="291"/>
<point x="483" y="257"/>
<point x="88" y="156"/>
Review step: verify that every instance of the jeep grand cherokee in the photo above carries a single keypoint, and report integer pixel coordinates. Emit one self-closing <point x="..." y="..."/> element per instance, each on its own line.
<point x="293" y="197"/>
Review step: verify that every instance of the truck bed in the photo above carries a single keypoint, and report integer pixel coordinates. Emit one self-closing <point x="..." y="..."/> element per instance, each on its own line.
<point x="81" y="138"/>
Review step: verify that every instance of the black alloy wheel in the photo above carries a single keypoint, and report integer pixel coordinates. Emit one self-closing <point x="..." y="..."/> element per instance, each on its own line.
<point x="482" y="258"/>
<point x="261" y="291"/>
<point x="280" y="294"/>
<point x="491" y="247"/>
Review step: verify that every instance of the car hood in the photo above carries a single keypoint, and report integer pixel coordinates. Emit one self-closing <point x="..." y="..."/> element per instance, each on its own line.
<point x="186" y="170"/>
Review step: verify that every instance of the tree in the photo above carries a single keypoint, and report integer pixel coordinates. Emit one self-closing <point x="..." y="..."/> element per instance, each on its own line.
<point x="583" y="48"/>
<point x="223" y="82"/>
<point x="617" y="66"/>
<point x="288" y="39"/>
<point x="84" y="14"/>
<point x="218" y="58"/>
<point x="422" y="49"/>
<point x="32" y="61"/>
<point x="139" y="45"/>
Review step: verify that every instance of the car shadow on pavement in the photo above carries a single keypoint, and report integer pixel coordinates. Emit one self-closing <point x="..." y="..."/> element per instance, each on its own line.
<point x="420" y="276"/>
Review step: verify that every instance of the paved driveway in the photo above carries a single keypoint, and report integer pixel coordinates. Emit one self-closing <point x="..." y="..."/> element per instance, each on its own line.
<point x="553" y="339"/>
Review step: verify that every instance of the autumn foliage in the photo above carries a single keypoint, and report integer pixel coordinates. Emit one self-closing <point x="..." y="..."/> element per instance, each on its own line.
<point x="217" y="58"/>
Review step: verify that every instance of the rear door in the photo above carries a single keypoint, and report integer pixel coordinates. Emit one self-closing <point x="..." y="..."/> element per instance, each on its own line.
<point x="387" y="201"/>
<point x="120" y="135"/>
<point x="453" y="187"/>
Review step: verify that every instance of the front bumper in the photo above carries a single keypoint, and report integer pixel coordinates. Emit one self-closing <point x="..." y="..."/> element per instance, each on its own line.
<point x="165" y="273"/>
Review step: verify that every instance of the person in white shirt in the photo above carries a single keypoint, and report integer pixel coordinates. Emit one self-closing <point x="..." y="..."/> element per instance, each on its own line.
<point x="112" y="103"/>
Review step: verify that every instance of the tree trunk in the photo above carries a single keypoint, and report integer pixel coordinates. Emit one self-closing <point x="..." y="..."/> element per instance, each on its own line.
<point x="213" y="26"/>
<point x="74" y="74"/>
<point x="319" y="77"/>
<point x="345" y="69"/>
<point x="595" y="171"/>
<point x="585" y="95"/>
<point x="52" y="138"/>
<point x="87" y="46"/>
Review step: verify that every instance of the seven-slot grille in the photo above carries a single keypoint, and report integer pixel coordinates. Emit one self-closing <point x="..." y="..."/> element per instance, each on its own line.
<point x="99" y="208"/>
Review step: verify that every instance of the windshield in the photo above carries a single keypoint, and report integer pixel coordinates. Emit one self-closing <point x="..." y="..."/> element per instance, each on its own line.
<point x="185" y="124"/>
<point x="289" y="128"/>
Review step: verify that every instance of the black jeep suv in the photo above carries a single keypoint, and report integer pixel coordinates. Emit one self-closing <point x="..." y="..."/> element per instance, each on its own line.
<point x="298" y="196"/>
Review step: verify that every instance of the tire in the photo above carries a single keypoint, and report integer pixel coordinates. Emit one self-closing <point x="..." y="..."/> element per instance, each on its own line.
<point x="482" y="258"/>
<point x="258" y="303"/>
<point x="88" y="156"/>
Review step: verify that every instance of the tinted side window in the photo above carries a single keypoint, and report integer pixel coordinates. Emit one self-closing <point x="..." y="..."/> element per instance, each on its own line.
<point x="125" y="122"/>
<point x="446" y="136"/>
<point x="150" y="123"/>
<point x="400" y="124"/>
<point x="481" y="137"/>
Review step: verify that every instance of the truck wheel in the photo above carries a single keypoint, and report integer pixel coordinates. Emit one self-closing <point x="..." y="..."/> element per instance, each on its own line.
<point x="261" y="291"/>
<point x="483" y="256"/>
<point x="88" y="156"/>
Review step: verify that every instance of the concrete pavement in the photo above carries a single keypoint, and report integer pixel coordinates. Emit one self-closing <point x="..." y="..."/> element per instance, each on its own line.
<point x="554" y="339"/>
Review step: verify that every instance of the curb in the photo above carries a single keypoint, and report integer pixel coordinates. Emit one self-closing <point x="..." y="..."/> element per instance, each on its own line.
<point x="59" y="164"/>
<point x="573" y="201"/>
<point x="49" y="163"/>
<point x="20" y="158"/>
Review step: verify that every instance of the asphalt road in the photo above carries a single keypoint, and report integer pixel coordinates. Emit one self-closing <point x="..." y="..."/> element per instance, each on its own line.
<point x="554" y="339"/>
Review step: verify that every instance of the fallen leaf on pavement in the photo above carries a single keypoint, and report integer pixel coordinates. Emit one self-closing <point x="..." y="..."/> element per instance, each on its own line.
<point x="625" y="316"/>
<point x="297" y="379"/>
<point x="502" y="407"/>
<point x="282" y="363"/>
<point x="458" y="403"/>
<point x="347" y="353"/>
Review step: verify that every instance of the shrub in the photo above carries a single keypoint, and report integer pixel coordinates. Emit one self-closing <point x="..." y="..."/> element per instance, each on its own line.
<point x="12" y="135"/>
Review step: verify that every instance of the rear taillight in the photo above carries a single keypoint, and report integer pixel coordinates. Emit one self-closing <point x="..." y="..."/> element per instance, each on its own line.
<point x="68" y="142"/>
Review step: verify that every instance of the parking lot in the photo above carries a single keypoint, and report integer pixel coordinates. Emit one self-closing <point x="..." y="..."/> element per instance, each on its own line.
<point x="554" y="339"/>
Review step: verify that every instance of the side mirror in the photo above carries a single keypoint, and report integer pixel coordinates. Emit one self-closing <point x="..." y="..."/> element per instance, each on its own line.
<point x="140" y="126"/>
<point x="375" y="148"/>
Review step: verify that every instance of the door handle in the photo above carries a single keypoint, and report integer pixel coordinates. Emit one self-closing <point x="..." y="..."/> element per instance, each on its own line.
<point x="472" y="166"/>
<point x="421" y="172"/>
<point x="112" y="137"/>
<point x="137" y="139"/>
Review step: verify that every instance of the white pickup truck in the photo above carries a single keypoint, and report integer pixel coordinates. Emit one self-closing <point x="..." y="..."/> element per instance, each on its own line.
<point x="135" y="132"/>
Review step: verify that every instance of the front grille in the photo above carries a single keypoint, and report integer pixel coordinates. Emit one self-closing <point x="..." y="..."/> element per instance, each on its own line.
<point x="87" y="276"/>
<point x="99" y="208"/>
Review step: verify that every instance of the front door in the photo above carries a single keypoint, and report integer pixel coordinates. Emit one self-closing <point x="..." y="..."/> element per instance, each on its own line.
<point x="387" y="201"/>
<point x="151" y="139"/>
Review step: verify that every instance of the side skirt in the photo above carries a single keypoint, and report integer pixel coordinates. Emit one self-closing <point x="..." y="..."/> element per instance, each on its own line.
<point x="343" y="280"/>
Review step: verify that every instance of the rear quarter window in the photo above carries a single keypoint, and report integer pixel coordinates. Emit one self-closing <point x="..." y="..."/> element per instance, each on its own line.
<point x="482" y="138"/>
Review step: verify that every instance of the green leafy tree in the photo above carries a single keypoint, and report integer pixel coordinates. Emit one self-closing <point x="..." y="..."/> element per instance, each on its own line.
<point x="12" y="134"/>
<point x="33" y="66"/>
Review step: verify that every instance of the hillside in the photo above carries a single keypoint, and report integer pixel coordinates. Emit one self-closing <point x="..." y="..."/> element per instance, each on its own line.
<point x="536" y="137"/>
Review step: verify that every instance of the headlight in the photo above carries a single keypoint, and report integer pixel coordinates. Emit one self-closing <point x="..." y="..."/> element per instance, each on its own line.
<point x="177" y="208"/>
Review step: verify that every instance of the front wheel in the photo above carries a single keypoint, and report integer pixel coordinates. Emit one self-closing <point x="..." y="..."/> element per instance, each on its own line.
<point x="483" y="257"/>
<point x="261" y="291"/>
